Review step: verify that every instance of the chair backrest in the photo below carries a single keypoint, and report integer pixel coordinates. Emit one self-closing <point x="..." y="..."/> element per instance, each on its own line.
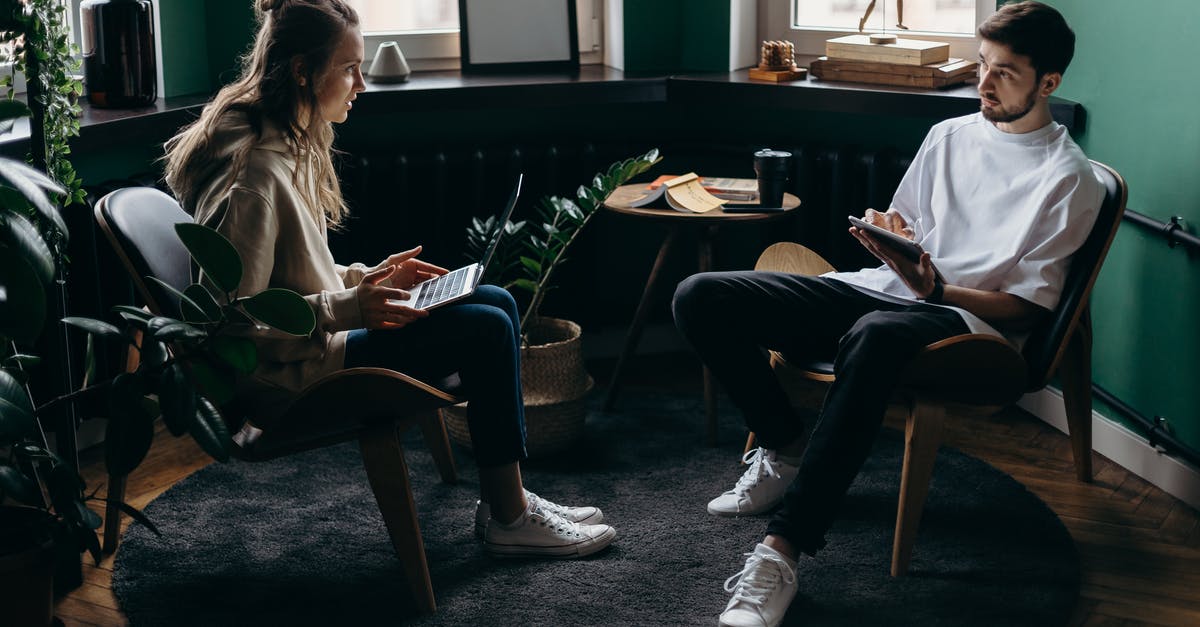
<point x="140" y="224"/>
<point x="1046" y="343"/>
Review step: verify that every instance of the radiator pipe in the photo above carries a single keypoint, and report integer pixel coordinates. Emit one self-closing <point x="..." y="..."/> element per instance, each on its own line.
<point x="1172" y="230"/>
<point x="1157" y="434"/>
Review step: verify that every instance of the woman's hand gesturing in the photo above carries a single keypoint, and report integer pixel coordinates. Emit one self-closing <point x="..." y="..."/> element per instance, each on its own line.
<point x="409" y="269"/>
<point x="376" y="302"/>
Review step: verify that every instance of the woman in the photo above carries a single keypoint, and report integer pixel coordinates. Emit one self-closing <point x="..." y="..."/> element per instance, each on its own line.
<point x="257" y="167"/>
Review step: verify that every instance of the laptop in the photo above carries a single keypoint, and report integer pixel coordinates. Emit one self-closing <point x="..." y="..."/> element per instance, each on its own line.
<point x="461" y="283"/>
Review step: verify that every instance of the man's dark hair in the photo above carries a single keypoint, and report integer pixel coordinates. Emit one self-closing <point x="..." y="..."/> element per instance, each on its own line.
<point x="1034" y="30"/>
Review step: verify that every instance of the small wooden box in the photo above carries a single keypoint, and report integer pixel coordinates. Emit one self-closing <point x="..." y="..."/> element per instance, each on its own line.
<point x="779" y="76"/>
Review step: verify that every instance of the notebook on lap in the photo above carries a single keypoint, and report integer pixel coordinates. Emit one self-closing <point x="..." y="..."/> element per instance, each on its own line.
<point x="461" y="283"/>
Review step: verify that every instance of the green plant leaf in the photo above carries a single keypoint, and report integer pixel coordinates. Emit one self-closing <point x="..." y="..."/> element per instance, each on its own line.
<point x="282" y="309"/>
<point x="532" y="265"/>
<point x="208" y="309"/>
<point x="65" y="488"/>
<point x="525" y="284"/>
<point x="239" y="352"/>
<point x="154" y="353"/>
<point x="14" y="392"/>
<point x="176" y="399"/>
<point x="209" y="430"/>
<point x="216" y="384"/>
<point x="23" y="299"/>
<point x="15" y="485"/>
<point x="130" y="429"/>
<point x="15" y="422"/>
<point x="33" y="185"/>
<point x="93" y="326"/>
<point x="133" y="312"/>
<point x="24" y="361"/>
<point x="178" y="331"/>
<point x="216" y="255"/>
<point x="20" y="234"/>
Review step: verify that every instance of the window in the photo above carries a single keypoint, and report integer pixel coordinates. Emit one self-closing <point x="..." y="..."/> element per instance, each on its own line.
<point x="808" y="23"/>
<point x="427" y="30"/>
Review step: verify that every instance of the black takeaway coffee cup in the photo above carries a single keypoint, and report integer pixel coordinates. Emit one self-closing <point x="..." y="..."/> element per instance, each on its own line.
<point x="772" y="167"/>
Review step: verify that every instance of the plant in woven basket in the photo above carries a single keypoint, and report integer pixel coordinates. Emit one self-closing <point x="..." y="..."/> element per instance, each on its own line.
<point x="534" y="249"/>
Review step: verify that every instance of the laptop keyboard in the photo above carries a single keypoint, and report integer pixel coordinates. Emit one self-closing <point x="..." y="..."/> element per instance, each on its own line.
<point x="442" y="288"/>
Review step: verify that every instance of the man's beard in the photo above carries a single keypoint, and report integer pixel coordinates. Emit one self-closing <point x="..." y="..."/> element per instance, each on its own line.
<point x="1004" y="116"/>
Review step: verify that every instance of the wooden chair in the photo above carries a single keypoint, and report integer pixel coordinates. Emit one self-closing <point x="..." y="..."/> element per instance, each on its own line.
<point x="977" y="372"/>
<point x="373" y="405"/>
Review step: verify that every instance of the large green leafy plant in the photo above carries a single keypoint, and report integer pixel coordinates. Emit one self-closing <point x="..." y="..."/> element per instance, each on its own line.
<point x="532" y="250"/>
<point x="187" y="366"/>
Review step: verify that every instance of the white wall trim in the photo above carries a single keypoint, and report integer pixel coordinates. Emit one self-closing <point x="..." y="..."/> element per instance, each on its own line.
<point x="1124" y="447"/>
<point x="743" y="34"/>
<point x="614" y="34"/>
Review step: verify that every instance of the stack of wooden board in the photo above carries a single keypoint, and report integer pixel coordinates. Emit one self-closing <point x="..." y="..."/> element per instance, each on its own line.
<point x="907" y="63"/>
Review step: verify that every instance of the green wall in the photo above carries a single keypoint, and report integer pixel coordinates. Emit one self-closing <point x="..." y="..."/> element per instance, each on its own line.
<point x="676" y="35"/>
<point x="1133" y="73"/>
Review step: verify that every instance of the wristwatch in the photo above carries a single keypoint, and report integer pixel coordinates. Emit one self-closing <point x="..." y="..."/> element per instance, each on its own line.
<point x="935" y="296"/>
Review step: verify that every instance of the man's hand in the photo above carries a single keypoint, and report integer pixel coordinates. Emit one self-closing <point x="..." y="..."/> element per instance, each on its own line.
<point x="409" y="270"/>
<point x="375" y="301"/>
<point x="920" y="277"/>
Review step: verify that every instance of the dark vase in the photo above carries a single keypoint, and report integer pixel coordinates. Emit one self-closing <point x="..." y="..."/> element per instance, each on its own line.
<point x="119" y="64"/>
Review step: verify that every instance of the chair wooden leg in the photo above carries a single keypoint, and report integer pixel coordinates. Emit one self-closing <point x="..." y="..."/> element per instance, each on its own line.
<point x="434" y="430"/>
<point x="112" y="513"/>
<point x="383" y="458"/>
<point x="923" y="435"/>
<point x="1075" y="372"/>
<point x="750" y="443"/>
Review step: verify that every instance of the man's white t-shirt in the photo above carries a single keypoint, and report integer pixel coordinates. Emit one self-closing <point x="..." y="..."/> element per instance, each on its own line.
<point x="996" y="211"/>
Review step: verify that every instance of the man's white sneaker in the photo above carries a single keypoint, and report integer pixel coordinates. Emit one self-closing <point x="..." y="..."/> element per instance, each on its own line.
<point x="583" y="515"/>
<point x="763" y="591"/>
<point x="540" y="532"/>
<point x="759" y="489"/>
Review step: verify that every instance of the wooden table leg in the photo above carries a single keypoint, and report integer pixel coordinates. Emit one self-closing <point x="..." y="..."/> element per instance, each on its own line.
<point x="639" y="318"/>
<point x="704" y="263"/>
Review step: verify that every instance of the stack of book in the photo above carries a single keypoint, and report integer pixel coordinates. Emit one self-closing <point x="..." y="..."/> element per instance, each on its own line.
<point x="903" y="62"/>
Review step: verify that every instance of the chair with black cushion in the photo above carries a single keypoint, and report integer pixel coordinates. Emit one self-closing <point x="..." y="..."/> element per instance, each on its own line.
<point x="978" y="373"/>
<point x="373" y="405"/>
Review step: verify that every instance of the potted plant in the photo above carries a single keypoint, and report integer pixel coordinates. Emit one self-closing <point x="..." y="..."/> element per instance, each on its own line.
<point x="553" y="377"/>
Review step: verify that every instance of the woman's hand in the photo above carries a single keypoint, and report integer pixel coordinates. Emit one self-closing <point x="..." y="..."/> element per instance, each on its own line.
<point x="409" y="269"/>
<point x="376" y="302"/>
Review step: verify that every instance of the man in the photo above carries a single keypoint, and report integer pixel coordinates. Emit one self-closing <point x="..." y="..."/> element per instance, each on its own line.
<point x="999" y="200"/>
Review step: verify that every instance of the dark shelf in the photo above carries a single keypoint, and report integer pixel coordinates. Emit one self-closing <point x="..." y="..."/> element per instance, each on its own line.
<point x="592" y="85"/>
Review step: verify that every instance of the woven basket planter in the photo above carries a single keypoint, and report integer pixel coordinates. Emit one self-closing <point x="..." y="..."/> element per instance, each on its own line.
<point x="554" y="383"/>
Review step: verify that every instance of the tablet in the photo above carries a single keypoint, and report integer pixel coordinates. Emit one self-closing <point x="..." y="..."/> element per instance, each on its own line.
<point x="906" y="247"/>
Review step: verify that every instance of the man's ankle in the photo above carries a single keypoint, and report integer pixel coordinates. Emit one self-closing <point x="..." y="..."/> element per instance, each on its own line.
<point x="781" y="545"/>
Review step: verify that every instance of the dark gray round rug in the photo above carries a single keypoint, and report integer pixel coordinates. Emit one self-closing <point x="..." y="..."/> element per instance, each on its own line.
<point x="300" y="541"/>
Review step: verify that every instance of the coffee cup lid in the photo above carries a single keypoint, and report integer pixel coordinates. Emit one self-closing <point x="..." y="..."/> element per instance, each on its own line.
<point x="768" y="153"/>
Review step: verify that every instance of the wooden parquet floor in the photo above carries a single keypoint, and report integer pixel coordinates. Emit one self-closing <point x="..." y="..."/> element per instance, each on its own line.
<point x="1139" y="547"/>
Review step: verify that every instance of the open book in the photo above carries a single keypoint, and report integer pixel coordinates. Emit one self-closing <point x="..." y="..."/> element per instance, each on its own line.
<point x="683" y="193"/>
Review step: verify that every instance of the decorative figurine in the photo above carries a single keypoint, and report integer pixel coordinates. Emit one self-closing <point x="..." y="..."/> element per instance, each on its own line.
<point x="871" y="7"/>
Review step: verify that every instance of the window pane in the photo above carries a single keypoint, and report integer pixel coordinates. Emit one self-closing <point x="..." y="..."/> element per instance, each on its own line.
<point x="391" y="16"/>
<point x="934" y="16"/>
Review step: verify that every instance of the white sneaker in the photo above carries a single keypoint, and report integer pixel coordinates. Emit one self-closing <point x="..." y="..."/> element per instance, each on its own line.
<point x="759" y="489"/>
<point x="764" y="589"/>
<point x="582" y="515"/>
<point x="540" y="532"/>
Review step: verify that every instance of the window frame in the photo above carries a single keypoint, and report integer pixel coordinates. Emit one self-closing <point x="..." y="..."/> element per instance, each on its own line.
<point x="811" y="42"/>
<point x="438" y="49"/>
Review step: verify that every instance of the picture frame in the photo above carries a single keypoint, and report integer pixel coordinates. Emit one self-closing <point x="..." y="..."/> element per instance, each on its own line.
<point x="518" y="36"/>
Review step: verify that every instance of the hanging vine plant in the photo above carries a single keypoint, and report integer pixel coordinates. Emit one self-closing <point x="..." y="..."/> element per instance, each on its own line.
<point x="38" y="45"/>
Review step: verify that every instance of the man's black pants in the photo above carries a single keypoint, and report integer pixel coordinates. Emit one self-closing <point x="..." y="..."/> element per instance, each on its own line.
<point x="730" y="317"/>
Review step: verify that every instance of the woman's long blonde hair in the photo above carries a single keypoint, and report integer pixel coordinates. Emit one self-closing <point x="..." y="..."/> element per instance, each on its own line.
<point x="268" y="90"/>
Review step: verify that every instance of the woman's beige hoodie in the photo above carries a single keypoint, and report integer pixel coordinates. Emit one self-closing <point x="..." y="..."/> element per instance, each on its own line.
<point x="282" y="242"/>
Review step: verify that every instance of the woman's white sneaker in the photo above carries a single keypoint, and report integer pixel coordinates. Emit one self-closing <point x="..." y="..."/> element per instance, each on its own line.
<point x="759" y="489"/>
<point x="539" y="532"/>
<point x="583" y="515"/>
<point x="763" y="591"/>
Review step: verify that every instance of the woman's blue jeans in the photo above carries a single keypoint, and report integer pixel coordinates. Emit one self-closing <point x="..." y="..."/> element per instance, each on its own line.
<point x="479" y="338"/>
